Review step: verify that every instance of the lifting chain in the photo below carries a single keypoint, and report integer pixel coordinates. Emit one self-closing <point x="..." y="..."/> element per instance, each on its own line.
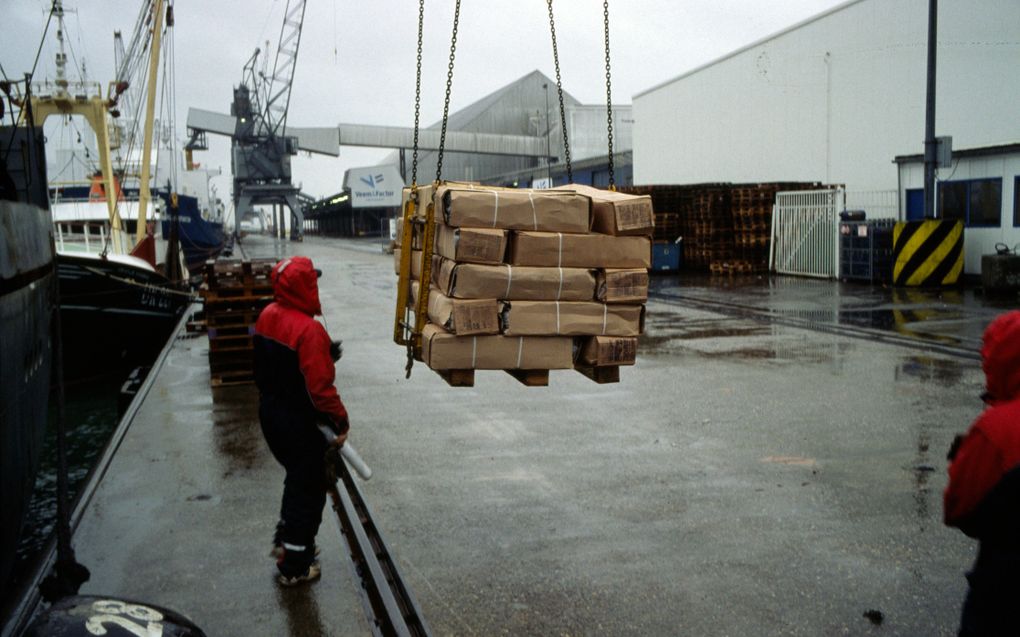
<point x="417" y="103"/>
<point x="559" y="93"/>
<point x="449" y="85"/>
<point x="609" y="97"/>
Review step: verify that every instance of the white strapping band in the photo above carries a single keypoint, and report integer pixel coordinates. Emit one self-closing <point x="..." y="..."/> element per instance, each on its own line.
<point x="474" y="351"/>
<point x="520" y="350"/>
<point x="495" y="210"/>
<point x="509" y="280"/>
<point x="534" y="214"/>
<point x="559" y="292"/>
<point x="559" y="263"/>
<point x="557" y="317"/>
<point x="605" y="313"/>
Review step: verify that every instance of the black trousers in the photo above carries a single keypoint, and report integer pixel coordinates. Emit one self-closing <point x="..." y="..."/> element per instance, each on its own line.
<point x="300" y="447"/>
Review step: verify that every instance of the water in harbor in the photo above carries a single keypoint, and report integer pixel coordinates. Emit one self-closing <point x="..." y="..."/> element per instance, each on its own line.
<point x="91" y="416"/>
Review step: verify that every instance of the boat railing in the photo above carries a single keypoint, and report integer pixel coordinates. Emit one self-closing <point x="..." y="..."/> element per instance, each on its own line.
<point x="80" y="90"/>
<point x="81" y="236"/>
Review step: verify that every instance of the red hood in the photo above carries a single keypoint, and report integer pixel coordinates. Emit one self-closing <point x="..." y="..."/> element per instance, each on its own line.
<point x="296" y="285"/>
<point x="1001" y="357"/>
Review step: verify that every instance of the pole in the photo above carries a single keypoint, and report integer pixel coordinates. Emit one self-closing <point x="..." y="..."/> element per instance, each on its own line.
<point x="929" y="117"/>
<point x="150" y="104"/>
<point x="548" y="153"/>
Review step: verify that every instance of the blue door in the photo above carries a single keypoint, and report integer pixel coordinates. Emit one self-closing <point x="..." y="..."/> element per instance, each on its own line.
<point x="915" y="204"/>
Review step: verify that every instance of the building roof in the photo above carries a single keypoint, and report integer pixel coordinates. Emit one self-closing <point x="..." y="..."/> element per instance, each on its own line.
<point x="979" y="151"/>
<point x="737" y="52"/>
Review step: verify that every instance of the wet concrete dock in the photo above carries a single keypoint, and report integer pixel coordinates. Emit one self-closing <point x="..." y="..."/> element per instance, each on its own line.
<point x="748" y="476"/>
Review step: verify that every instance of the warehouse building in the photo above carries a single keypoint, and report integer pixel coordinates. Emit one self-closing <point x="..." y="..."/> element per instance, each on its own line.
<point x="529" y="106"/>
<point x="837" y="98"/>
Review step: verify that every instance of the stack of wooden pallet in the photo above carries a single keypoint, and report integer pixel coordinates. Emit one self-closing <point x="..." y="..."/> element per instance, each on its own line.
<point x="531" y="280"/>
<point x="234" y="293"/>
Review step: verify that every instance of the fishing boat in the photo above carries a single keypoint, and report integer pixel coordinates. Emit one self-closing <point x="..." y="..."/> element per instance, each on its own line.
<point x="117" y="307"/>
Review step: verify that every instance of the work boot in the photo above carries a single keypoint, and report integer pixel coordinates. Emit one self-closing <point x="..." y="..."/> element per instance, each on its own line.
<point x="313" y="573"/>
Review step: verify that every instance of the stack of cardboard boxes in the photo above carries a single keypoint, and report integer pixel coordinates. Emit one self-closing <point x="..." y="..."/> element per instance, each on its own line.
<point x="534" y="279"/>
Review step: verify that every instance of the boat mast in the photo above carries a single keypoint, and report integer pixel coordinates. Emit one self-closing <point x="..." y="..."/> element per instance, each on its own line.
<point x="144" y="194"/>
<point x="93" y="108"/>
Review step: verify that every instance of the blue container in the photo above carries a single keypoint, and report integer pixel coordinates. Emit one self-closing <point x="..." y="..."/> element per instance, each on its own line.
<point x="666" y="256"/>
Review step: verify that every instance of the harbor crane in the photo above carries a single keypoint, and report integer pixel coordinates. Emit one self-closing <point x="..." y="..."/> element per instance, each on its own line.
<point x="261" y="143"/>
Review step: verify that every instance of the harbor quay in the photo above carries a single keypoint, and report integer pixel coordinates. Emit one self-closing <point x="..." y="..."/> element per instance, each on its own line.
<point x="747" y="476"/>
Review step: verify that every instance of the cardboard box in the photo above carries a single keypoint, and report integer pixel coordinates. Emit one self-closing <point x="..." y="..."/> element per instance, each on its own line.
<point x="464" y="317"/>
<point x="514" y="209"/>
<point x="425" y="196"/>
<point x="477" y="281"/>
<point x="566" y="318"/>
<point x="607" y="351"/>
<point x="552" y="249"/>
<point x="471" y="245"/>
<point x="617" y="213"/>
<point x="621" y="286"/>
<point x="442" y="350"/>
<point x="416" y="268"/>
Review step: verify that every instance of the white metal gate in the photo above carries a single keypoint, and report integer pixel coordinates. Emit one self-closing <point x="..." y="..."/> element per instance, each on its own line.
<point x="805" y="233"/>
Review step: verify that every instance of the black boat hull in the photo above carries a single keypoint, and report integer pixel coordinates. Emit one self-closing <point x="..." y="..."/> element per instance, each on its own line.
<point x="115" y="316"/>
<point x="26" y="309"/>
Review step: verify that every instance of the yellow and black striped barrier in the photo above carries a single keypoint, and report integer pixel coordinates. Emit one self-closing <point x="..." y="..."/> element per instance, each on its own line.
<point x="927" y="253"/>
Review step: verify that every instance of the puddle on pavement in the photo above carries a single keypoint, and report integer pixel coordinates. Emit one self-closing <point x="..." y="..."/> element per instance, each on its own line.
<point x="236" y="426"/>
<point x="675" y="336"/>
<point x="944" y="372"/>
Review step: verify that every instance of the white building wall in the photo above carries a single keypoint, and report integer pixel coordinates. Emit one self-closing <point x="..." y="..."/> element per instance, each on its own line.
<point x="835" y="98"/>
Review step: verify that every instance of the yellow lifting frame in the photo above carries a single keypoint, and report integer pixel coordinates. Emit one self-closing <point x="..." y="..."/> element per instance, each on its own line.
<point x="403" y="332"/>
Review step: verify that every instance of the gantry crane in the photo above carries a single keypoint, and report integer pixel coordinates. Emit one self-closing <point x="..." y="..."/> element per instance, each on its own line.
<point x="261" y="144"/>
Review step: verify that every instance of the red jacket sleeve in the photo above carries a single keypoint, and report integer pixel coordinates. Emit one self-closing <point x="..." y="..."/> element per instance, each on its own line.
<point x="320" y="374"/>
<point x="974" y="471"/>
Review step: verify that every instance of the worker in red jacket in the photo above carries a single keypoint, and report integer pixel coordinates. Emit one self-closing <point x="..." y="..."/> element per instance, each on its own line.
<point x="983" y="496"/>
<point x="294" y="372"/>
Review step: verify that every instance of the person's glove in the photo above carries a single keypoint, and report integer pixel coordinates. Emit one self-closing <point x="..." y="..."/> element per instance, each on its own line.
<point x="336" y="350"/>
<point x="332" y="461"/>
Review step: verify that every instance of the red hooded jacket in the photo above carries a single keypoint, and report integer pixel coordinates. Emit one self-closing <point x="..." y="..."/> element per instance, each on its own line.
<point x="991" y="448"/>
<point x="293" y="366"/>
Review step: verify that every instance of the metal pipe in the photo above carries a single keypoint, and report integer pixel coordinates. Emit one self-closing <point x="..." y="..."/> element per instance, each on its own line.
<point x="929" y="116"/>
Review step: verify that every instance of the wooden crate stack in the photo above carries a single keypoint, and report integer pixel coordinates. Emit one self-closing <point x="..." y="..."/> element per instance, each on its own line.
<point x="751" y="210"/>
<point x="234" y="293"/>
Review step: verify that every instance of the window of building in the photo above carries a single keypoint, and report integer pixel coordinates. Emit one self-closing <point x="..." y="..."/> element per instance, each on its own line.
<point x="977" y="202"/>
<point x="1016" y="202"/>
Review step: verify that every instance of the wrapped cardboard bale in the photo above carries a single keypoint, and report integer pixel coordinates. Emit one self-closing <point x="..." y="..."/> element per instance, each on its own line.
<point x="471" y="245"/>
<point x="535" y="318"/>
<point x="477" y="281"/>
<point x="426" y="192"/>
<point x="513" y="209"/>
<point x="552" y="249"/>
<point x="464" y="317"/>
<point x="416" y="269"/>
<point x="621" y="286"/>
<point x="442" y="350"/>
<point x="617" y="213"/>
<point x="606" y="351"/>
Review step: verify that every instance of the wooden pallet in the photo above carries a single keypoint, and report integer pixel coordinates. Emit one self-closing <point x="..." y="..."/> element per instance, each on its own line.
<point x="529" y="377"/>
<point x="226" y="379"/>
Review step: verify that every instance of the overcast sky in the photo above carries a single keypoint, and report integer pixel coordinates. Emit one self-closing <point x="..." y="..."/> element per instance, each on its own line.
<point x="357" y="59"/>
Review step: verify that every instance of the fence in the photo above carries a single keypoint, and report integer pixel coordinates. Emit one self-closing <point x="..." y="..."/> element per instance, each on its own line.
<point x="805" y="233"/>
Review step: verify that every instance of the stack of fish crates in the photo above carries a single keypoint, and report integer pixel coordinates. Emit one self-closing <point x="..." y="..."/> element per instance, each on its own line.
<point x="234" y="293"/>
<point x="865" y="250"/>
